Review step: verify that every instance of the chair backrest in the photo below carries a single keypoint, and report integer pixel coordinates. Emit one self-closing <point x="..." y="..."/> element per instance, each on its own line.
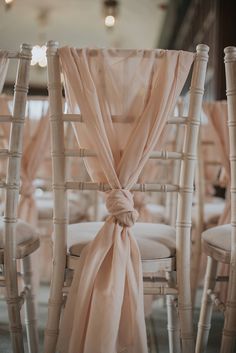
<point x="14" y="152"/>
<point x="187" y="157"/>
<point x="59" y="153"/>
<point x="230" y="70"/>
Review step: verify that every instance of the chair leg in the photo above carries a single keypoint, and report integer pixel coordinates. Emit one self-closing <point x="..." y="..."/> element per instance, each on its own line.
<point x="172" y="317"/>
<point x="13" y="305"/>
<point x="55" y="304"/>
<point x="204" y="323"/>
<point x="228" y="343"/>
<point x="185" y="312"/>
<point x="30" y="305"/>
<point x="173" y="324"/>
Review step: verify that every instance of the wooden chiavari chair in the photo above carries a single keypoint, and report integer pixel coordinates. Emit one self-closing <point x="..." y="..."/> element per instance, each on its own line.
<point x="167" y="255"/>
<point x="219" y="243"/>
<point x="18" y="239"/>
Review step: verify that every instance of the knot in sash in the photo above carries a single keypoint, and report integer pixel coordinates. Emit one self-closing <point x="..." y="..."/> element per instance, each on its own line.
<point x="120" y="205"/>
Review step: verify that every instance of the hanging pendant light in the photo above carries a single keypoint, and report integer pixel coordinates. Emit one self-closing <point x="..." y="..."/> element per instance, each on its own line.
<point x="8" y="4"/>
<point x="110" y="8"/>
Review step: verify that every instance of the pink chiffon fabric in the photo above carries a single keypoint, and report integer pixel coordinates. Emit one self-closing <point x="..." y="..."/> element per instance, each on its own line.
<point x="4" y="61"/>
<point x="4" y="128"/>
<point x="217" y="114"/>
<point x="104" y="310"/>
<point x="36" y="145"/>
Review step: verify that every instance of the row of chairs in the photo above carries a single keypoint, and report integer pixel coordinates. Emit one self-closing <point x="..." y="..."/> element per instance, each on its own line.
<point x="165" y="251"/>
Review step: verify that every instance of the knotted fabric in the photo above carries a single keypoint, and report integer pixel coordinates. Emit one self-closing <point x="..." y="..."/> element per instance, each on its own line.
<point x="120" y="204"/>
<point x="104" y="311"/>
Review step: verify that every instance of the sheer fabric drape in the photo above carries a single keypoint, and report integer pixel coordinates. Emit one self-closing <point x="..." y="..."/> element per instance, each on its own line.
<point x="104" y="310"/>
<point x="36" y="146"/>
<point x="5" y="128"/>
<point x="217" y="114"/>
<point x="4" y="61"/>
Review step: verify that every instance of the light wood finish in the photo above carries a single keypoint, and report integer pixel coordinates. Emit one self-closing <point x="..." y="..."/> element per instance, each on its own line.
<point x="201" y="222"/>
<point x="229" y="331"/>
<point x="215" y="254"/>
<point x="177" y="286"/>
<point x="171" y="202"/>
<point x="13" y="297"/>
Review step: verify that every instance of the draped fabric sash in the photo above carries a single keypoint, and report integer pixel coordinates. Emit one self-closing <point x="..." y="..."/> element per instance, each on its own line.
<point x="104" y="310"/>
<point x="4" y="61"/>
<point x="217" y="114"/>
<point x="36" y="145"/>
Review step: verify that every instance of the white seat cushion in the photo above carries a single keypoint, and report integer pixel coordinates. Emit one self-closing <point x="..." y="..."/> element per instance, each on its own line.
<point x="212" y="212"/>
<point x="157" y="212"/>
<point x="26" y="236"/>
<point x="219" y="237"/>
<point x="156" y="241"/>
<point x="217" y="242"/>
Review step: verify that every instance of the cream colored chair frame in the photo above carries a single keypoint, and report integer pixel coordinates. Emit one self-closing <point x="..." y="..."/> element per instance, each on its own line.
<point x="10" y="255"/>
<point x="209" y="298"/>
<point x="63" y="262"/>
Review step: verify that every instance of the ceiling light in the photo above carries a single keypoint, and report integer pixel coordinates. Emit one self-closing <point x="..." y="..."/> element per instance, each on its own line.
<point x="110" y="21"/>
<point x="8" y="4"/>
<point x="110" y="10"/>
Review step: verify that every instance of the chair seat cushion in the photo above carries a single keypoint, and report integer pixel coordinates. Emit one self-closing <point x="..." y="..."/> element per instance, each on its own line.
<point x="217" y="242"/>
<point x="212" y="212"/>
<point x="155" y="241"/>
<point x="27" y="238"/>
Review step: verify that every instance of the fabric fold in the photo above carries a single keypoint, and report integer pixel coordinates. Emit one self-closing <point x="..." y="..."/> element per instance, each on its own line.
<point x="217" y="114"/>
<point x="35" y="149"/>
<point x="104" y="310"/>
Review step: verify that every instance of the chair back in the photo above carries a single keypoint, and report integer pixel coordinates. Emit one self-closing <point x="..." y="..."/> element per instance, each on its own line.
<point x="230" y="70"/>
<point x="184" y="188"/>
<point x="11" y="185"/>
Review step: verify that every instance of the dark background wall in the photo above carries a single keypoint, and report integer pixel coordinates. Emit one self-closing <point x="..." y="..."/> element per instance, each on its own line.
<point x="212" y="22"/>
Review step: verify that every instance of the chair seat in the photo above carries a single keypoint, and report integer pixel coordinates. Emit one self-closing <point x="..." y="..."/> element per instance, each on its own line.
<point x="216" y="242"/>
<point x="155" y="241"/>
<point x="27" y="239"/>
<point x="212" y="212"/>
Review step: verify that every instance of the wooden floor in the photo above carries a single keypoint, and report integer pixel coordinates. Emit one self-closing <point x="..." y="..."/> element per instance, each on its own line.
<point x="156" y="326"/>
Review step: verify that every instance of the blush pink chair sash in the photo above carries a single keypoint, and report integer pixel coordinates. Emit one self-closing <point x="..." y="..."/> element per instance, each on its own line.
<point x="35" y="149"/>
<point x="5" y="128"/>
<point x="217" y="114"/>
<point x="4" y="61"/>
<point x="104" y="311"/>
